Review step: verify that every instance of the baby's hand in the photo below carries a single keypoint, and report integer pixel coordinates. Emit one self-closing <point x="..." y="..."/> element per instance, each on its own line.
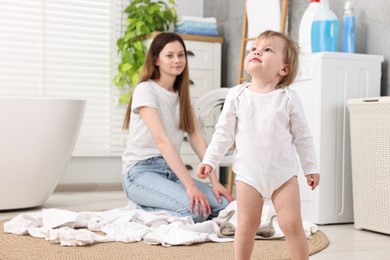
<point x="313" y="180"/>
<point x="203" y="171"/>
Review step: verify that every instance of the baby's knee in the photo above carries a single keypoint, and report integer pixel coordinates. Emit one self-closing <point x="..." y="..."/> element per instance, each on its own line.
<point x="292" y="227"/>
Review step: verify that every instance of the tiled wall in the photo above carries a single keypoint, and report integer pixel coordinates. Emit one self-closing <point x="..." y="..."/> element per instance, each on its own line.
<point x="372" y="30"/>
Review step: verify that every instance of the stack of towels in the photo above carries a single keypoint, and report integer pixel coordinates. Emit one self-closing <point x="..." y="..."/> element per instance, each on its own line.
<point x="197" y="25"/>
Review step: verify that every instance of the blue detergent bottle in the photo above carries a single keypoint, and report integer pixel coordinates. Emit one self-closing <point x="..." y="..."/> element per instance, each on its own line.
<point x="348" y="29"/>
<point x="324" y="29"/>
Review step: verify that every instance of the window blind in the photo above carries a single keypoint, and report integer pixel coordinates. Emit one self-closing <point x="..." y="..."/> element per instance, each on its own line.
<point x="66" y="49"/>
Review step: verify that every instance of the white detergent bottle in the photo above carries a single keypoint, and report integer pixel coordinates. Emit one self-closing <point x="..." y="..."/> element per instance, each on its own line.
<point x="304" y="38"/>
<point x="324" y="30"/>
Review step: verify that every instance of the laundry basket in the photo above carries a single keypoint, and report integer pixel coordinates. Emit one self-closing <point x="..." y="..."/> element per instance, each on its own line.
<point x="370" y="157"/>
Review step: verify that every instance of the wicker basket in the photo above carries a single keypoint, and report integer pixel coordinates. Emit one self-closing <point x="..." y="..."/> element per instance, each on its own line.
<point x="370" y="148"/>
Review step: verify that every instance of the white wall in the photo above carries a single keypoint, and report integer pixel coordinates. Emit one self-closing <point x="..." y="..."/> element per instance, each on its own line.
<point x="190" y="7"/>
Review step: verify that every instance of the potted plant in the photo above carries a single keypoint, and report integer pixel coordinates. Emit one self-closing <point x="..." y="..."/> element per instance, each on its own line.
<point x="143" y="18"/>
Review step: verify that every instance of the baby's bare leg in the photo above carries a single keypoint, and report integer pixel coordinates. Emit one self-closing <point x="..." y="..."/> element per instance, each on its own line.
<point x="287" y="205"/>
<point x="249" y="208"/>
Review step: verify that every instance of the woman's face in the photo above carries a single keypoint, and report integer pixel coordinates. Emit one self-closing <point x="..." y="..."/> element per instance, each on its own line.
<point x="171" y="60"/>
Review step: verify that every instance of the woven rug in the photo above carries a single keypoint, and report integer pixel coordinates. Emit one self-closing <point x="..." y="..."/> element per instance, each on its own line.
<point x="14" y="247"/>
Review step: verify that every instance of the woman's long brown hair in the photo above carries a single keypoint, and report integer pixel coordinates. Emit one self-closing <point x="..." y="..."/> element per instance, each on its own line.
<point x="151" y="71"/>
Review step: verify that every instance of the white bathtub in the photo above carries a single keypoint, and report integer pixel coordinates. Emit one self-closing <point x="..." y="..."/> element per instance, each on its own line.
<point x="37" y="137"/>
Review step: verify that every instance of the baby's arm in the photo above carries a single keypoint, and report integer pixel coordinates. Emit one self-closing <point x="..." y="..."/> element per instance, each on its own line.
<point x="204" y="171"/>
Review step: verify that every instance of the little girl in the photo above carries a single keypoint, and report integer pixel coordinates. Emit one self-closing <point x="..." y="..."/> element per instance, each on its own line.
<point x="266" y="121"/>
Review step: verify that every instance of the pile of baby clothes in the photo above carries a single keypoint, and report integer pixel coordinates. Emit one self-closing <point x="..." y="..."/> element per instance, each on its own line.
<point x="197" y="25"/>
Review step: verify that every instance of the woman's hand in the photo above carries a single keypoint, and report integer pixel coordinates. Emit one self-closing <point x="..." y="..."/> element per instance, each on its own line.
<point x="197" y="200"/>
<point x="219" y="190"/>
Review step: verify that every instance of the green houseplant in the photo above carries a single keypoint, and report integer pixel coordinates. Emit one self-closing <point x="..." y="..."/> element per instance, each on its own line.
<point x="143" y="18"/>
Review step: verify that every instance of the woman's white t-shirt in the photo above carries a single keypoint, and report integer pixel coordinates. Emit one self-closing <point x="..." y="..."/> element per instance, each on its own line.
<point x="140" y="143"/>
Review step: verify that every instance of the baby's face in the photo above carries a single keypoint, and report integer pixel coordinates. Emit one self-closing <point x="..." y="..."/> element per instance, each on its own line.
<point x="266" y="56"/>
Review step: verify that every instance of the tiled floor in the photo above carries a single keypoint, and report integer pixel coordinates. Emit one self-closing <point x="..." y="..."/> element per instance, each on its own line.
<point x="345" y="241"/>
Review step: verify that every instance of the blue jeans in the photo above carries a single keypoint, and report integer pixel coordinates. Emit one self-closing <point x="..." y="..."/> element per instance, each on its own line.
<point x="154" y="186"/>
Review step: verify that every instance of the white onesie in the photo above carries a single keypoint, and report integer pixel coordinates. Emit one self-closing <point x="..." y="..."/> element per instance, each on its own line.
<point x="268" y="131"/>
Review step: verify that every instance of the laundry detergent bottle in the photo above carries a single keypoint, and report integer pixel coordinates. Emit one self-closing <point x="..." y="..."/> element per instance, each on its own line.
<point x="324" y="29"/>
<point x="304" y="38"/>
<point x="348" y="29"/>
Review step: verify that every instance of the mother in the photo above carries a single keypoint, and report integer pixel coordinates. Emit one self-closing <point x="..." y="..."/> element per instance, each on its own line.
<point x="158" y="116"/>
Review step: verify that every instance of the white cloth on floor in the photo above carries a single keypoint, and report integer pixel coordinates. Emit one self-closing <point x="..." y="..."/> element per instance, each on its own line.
<point x="131" y="225"/>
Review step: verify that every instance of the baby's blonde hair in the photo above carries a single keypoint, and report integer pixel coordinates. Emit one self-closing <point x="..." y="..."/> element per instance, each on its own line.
<point x="291" y="55"/>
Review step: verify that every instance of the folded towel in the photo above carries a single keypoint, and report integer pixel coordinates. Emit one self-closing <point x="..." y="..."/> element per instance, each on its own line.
<point x="197" y="19"/>
<point x="196" y="25"/>
<point x="197" y="31"/>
